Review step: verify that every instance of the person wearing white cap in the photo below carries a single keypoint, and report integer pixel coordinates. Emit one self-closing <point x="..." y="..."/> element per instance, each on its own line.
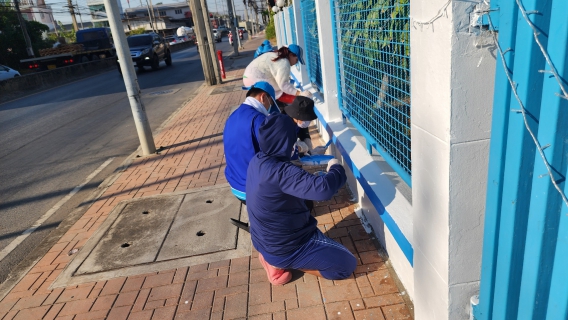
<point x="274" y="68"/>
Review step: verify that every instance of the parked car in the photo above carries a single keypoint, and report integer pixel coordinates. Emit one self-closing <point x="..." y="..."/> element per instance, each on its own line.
<point x="217" y="35"/>
<point x="174" y="40"/>
<point x="148" y="50"/>
<point x="7" y="73"/>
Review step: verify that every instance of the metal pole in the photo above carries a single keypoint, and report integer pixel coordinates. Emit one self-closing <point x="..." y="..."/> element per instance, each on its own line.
<point x="130" y="80"/>
<point x="212" y="50"/>
<point x="22" y="21"/>
<point x="233" y="28"/>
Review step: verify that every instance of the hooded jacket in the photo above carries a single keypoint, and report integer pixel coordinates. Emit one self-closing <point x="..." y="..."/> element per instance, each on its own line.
<point x="279" y="219"/>
<point x="263" y="48"/>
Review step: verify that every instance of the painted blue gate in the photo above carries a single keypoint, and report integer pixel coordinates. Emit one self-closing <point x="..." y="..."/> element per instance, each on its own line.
<point x="525" y="246"/>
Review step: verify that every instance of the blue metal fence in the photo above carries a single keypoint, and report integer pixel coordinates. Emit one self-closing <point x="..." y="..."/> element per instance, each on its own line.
<point x="373" y="67"/>
<point x="525" y="245"/>
<point x="292" y="24"/>
<point x="311" y="37"/>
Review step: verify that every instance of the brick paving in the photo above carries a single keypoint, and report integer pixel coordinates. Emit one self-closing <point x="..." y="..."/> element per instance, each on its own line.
<point x="193" y="157"/>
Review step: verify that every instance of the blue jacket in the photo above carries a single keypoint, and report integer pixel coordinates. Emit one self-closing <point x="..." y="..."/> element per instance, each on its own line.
<point x="241" y="143"/>
<point x="279" y="219"/>
<point x="263" y="48"/>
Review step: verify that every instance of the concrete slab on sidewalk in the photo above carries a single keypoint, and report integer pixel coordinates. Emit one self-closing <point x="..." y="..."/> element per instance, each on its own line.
<point x="162" y="232"/>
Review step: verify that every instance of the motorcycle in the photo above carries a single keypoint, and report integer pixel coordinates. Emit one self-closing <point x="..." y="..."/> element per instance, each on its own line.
<point x="241" y="34"/>
<point x="230" y="38"/>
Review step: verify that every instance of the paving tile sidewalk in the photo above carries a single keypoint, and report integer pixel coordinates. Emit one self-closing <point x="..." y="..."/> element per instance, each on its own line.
<point x="232" y="289"/>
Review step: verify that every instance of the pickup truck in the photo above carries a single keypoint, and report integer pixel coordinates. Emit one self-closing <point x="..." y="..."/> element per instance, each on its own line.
<point x="92" y="44"/>
<point x="148" y="50"/>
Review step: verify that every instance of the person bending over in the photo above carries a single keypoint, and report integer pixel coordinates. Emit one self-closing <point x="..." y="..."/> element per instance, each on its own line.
<point x="282" y="229"/>
<point x="240" y="135"/>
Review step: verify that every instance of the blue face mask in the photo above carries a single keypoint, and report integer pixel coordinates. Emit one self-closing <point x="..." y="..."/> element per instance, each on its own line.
<point x="304" y="124"/>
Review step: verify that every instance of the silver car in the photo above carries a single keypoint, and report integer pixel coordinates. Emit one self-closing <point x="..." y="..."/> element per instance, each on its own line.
<point x="7" y="73"/>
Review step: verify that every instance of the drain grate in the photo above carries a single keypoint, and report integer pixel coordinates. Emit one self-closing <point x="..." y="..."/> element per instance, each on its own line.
<point x="160" y="233"/>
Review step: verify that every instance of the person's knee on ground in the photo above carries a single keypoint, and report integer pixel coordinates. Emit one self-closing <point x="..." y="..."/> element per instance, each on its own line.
<point x="342" y="270"/>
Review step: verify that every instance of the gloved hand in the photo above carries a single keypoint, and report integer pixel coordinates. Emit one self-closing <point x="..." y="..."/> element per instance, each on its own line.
<point x="318" y="150"/>
<point x="302" y="146"/>
<point x="307" y="94"/>
<point x="331" y="163"/>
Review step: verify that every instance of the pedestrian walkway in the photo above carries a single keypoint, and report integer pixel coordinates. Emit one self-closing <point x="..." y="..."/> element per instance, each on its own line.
<point x="192" y="157"/>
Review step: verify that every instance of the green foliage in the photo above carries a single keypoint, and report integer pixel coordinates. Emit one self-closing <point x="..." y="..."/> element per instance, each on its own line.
<point x="13" y="47"/>
<point x="270" y="32"/>
<point x="375" y="75"/>
<point x="140" y="30"/>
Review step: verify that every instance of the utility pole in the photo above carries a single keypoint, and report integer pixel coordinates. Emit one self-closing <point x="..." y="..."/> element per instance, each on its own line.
<point x="130" y="80"/>
<point x="22" y="21"/>
<point x="203" y="38"/>
<point x="233" y="28"/>
<point x="72" y="12"/>
<point x="153" y="16"/>
<point x="80" y="15"/>
<point x="237" y="24"/>
<point x="212" y="50"/>
<point x="150" y="16"/>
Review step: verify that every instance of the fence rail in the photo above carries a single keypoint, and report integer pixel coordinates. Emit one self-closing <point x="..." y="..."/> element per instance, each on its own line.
<point x="292" y="24"/>
<point x="372" y="47"/>
<point x="311" y="36"/>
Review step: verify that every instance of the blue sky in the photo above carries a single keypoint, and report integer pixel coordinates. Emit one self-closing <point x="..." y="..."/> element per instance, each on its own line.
<point x="60" y="10"/>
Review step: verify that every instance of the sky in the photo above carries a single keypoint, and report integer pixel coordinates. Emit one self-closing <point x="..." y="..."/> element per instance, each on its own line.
<point x="60" y="11"/>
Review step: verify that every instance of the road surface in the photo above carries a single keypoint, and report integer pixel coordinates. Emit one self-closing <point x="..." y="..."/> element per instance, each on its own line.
<point x="54" y="140"/>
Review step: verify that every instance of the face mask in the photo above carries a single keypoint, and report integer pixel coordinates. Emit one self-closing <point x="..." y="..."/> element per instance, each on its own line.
<point x="304" y="124"/>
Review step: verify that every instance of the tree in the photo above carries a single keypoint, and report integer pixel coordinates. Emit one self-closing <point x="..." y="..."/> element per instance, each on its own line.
<point x="13" y="47"/>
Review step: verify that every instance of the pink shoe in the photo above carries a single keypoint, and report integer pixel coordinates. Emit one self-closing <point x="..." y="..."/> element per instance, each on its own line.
<point x="276" y="276"/>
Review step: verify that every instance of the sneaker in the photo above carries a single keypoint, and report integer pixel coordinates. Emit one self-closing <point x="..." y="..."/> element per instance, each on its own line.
<point x="276" y="276"/>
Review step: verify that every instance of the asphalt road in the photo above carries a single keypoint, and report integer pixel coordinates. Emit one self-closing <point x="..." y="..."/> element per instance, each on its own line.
<point x="53" y="140"/>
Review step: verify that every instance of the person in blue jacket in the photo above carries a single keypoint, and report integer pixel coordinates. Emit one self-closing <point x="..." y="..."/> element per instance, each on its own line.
<point x="240" y="136"/>
<point x="263" y="48"/>
<point x="282" y="228"/>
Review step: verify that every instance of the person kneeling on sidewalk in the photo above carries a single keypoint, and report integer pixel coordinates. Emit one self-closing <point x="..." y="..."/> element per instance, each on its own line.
<point x="282" y="229"/>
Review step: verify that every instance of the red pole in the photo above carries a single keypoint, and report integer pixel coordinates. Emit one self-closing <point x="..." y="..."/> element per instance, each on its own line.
<point x="220" y="58"/>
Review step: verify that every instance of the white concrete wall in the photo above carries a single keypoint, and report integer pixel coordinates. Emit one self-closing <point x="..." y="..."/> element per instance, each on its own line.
<point x="452" y="72"/>
<point x="303" y="74"/>
<point x="382" y="182"/>
<point x="277" y="28"/>
<point x="452" y="93"/>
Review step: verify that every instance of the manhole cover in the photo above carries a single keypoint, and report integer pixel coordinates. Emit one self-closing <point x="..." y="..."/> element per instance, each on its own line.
<point x="161" y="233"/>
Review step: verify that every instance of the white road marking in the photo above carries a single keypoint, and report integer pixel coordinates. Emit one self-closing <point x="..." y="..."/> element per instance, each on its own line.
<point x="50" y="212"/>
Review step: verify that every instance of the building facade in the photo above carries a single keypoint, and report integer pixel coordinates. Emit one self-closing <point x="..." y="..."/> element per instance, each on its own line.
<point x="38" y="11"/>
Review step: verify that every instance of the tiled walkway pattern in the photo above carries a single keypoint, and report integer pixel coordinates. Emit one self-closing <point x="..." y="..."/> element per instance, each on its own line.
<point x="231" y="289"/>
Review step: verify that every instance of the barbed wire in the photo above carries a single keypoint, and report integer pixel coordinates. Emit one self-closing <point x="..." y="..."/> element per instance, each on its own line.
<point x="515" y="93"/>
<point x="438" y="15"/>
<point x="544" y="52"/>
